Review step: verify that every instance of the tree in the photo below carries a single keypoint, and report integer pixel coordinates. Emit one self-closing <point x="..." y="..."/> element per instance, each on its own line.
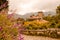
<point x="3" y="4"/>
<point x="58" y="9"/>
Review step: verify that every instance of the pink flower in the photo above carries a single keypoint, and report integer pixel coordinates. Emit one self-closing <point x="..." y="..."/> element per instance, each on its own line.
<point x="20" y="37"/>
<point x="9" y="16"/>
<point x="17" y="25"/>
<point x="0" y="28"/>
<point x="3" y="5"/>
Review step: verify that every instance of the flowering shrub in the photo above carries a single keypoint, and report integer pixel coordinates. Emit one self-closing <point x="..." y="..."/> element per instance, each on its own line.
<point x="3" y="4"/>
<point x="9" y="29"/>
<point x="35" y="25"/>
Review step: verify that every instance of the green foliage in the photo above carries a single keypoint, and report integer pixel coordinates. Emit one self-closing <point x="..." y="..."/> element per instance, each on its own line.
<point x="7" y="30"/>
<point x="58" y="10"/>
<point x="34" y="25"/>
<point x="54" y="21"/>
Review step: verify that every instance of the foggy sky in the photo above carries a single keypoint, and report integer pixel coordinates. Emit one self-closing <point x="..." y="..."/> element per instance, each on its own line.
<point x="26" y="6"/>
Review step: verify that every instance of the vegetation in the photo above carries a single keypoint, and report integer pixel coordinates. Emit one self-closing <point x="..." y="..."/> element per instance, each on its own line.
<point x="35" y="25"/>
<point x="3" y="4"/>
<point x="10" y="28"/>
<point x="54" y="22"/>
<point x="58" y="10"/>
<point x="7" y="29"/>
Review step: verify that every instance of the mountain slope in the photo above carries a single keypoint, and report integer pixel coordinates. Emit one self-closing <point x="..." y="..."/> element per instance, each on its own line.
<point x="29" y="14"/>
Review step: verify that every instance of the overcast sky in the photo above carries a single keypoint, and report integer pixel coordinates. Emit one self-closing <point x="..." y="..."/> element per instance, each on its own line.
<point x="26" y="6"/>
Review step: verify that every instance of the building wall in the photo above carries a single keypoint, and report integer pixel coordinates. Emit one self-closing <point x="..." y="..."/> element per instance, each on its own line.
<point x="39" y="15"/>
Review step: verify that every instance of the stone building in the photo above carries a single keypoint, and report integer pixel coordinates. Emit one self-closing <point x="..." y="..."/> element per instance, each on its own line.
<point x="38" y="17"/>
<point x="40" y="14"/>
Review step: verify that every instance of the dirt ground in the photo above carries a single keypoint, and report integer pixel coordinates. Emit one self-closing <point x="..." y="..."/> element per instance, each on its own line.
<point x="26" y="37"/>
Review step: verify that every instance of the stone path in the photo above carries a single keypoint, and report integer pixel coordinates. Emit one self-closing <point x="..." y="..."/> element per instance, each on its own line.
<point x="26" y="37"/>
